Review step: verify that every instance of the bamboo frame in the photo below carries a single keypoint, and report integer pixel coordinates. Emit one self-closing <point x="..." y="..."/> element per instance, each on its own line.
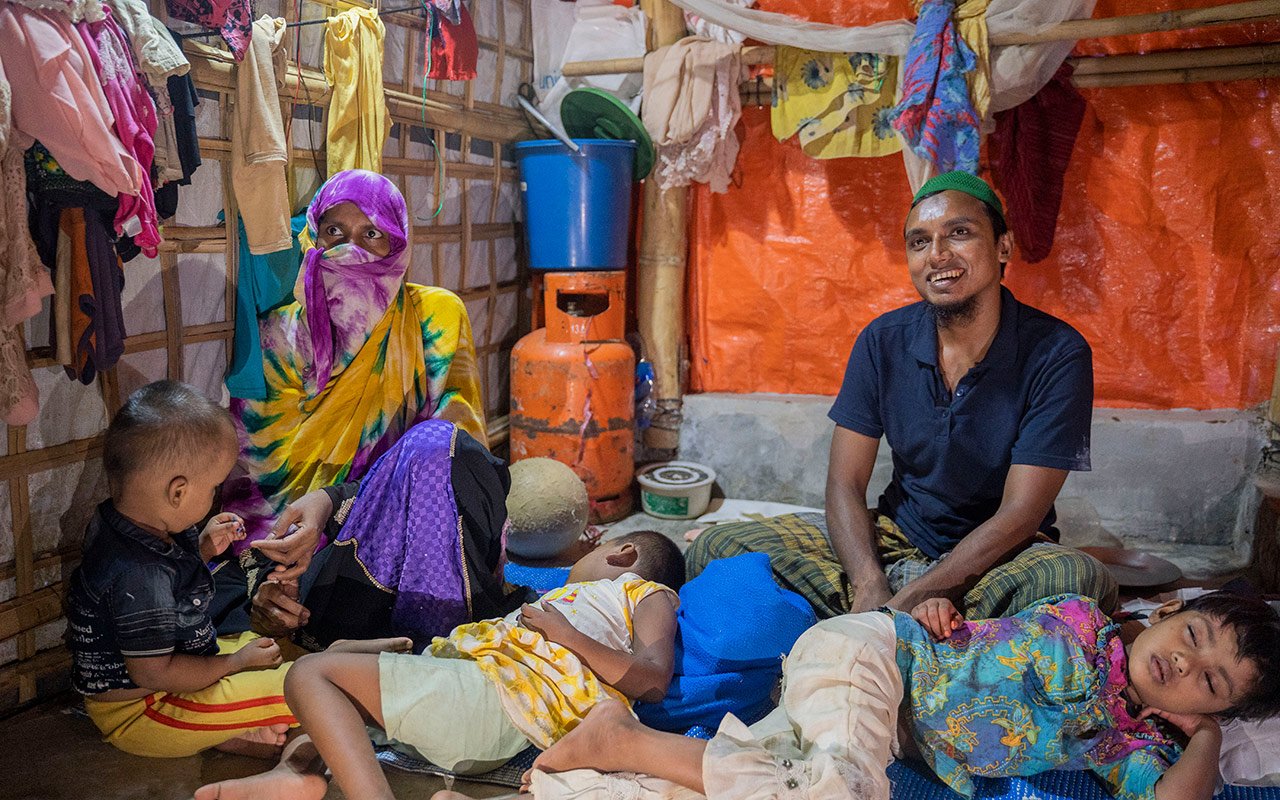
<point x="661" y="270"/>
<point x="460" y="118"/>
<point x="1234" y="13"/>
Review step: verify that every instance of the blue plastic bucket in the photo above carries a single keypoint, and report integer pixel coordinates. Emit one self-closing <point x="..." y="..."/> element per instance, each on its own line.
<point x="577" y="206"/>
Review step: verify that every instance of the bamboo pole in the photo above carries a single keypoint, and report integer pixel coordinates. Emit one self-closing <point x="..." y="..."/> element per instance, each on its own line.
<point x="1177" y="59"/>
<point x="1233" y="13"/>
<point x="1147" y="69"/>
<point x="661" y="273"/>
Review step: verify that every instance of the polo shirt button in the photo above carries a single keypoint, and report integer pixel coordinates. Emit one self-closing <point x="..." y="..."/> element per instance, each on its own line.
<point x="786" y="763"/>
<point x="959" y="392"/>
<point x="792" y="783"/>
<point x="196" y="601"/>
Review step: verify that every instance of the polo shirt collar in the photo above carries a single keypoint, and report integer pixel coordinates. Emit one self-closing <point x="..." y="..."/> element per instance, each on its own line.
<point x="127" y="528"/>
<point x="1003" y="349"/>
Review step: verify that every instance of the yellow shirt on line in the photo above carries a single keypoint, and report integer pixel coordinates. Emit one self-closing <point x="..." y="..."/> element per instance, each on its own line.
<point x="545" y="688"/>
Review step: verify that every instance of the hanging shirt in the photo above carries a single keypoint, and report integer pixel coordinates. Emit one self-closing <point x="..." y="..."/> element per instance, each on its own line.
<point x="135" y="122"/>
<point x="231" y="18"/>
<point x="838" y="105"/>
<point x="1041" y="690"/>
<point x="544" y="687"/>
<point x="358" y="118"/>
<point x="62" y="103"/>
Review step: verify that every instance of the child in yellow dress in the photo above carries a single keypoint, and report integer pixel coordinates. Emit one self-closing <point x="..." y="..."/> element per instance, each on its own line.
<point x="481" y="695"/>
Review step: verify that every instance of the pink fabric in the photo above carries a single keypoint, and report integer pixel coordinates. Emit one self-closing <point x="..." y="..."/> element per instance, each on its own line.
<point x="135" y="120"/>
<point x="61" y="102"/>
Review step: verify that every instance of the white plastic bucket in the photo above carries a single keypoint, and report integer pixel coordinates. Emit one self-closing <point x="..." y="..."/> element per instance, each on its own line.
<point x="675" y="489"/>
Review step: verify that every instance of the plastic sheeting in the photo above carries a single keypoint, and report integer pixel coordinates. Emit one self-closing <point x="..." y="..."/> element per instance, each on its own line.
<point x="1165" y="256"/>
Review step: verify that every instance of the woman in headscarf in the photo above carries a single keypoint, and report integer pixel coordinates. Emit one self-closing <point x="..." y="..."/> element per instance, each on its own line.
<point x="359" y="358"/>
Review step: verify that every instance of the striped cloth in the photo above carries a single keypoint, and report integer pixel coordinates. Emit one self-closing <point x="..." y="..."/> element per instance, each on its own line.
<point x="803" y="561"/>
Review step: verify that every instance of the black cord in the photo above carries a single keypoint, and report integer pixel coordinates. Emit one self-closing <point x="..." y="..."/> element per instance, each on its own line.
<point x="210" y="34"/>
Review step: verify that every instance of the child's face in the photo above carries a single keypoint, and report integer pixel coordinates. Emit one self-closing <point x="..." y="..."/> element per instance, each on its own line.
<point x="1189" y="663"/>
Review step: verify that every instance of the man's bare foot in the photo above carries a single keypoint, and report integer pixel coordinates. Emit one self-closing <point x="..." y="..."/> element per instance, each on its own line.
<point x="692" y="534"/>
<point x="281" y="783"/>
<point x="593" y="743"/>
<point x="257" y="743"/>
<point x="396" y="644"/>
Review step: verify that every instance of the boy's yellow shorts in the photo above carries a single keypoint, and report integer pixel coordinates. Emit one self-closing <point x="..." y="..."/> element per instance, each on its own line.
<point x="172" y="725"/>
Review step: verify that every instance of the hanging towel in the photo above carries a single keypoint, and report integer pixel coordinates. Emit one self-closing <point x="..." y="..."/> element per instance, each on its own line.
<point x="838" y="105"/>
<point x="454" y="48"/>
<point x="691" y="105"/>
<point x="259" y="154"/>
<point x="154" y="49"/>
<point x="231" y="18"/>
<point x="135" y="122"/>
<point x="1029" y="152"/>
<point x="262" y="283"/>
<point x="62" y="103"/>
<point x="937" y="117"/>
<point x="24" y="281"/>
<point x="358" y="118"/>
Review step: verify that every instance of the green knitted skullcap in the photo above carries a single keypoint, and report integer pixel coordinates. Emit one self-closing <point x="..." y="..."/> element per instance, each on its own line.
<point x="959" y="181"/>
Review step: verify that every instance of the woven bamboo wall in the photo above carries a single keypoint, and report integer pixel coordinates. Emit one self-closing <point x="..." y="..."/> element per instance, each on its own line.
<point x="179" y="306"/>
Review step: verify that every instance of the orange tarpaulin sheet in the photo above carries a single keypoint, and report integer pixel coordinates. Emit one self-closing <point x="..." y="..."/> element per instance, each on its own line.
<point x="1165" y="257"/>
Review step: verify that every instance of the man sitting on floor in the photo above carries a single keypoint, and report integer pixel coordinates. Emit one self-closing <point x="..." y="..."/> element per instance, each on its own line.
<point x="986" y="405"/>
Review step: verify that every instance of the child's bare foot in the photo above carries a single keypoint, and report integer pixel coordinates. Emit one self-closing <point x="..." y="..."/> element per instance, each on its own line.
<point x="257" y="743"/>
<point x="592" y="743"/>
<point x="281" y="783"/>
<point x="692" y="534"/>
<point x="396" y="644"/>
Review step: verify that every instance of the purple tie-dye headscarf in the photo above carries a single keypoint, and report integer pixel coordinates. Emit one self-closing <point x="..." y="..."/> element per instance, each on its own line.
<point x="368" y="283"/>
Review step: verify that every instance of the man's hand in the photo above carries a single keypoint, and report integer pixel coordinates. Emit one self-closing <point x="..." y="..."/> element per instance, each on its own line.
<point x="548" y="621"/>
<point x="262" y="652"/>
<point x="219" y="533"/>
<point x="276" y="610"/>
<point x="938" y="616"/>
<point x="292" y="549"/>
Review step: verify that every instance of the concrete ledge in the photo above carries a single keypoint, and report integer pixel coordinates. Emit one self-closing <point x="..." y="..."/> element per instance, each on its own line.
<point x="1176" y="483"/>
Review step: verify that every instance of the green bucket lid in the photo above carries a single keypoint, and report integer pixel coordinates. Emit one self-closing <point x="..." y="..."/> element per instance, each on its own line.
<point x="589" y="113"/>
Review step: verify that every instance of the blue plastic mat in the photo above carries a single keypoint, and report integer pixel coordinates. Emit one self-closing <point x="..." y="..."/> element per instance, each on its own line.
<point x="913" y="781"/>
<point x="540" y="579"/>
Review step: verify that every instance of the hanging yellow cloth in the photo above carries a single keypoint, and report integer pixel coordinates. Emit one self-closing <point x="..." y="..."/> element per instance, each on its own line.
<point x="358" y="118"/>
<point x="971" y="21"/>
<point x="838" y="105"/>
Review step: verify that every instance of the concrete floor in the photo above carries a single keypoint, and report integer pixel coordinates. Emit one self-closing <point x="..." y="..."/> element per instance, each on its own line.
<point x="50" y="752"/>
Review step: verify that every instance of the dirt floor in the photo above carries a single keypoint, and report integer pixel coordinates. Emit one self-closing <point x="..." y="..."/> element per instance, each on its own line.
<point x="49" y="752"/>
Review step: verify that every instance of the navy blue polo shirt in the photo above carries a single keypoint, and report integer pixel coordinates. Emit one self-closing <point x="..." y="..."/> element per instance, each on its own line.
<point x="135" y="595"/>
<point x="1029" y="401"/>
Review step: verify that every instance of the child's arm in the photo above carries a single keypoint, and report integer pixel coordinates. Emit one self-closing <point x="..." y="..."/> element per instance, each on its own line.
<point x="643" y="674"/>
<point x="175" y="672"/>
<point x="1194" y="776"/>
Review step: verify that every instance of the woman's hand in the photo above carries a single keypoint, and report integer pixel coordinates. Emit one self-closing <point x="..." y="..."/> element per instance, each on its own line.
<point x="292" y="549"/>
<point x="939" y="617"/>
<point x="276" y="610"/>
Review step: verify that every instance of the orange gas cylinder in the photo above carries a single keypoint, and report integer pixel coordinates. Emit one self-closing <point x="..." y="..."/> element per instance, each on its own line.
<point x="573" y="388"/>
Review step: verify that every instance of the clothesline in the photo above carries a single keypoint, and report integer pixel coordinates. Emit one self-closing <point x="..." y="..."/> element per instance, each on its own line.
<point x="325" y="21"/>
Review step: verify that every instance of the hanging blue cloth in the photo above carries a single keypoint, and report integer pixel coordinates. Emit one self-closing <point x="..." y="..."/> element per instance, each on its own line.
<point x="264" y="283"/>
<point x="936" y="118"/>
